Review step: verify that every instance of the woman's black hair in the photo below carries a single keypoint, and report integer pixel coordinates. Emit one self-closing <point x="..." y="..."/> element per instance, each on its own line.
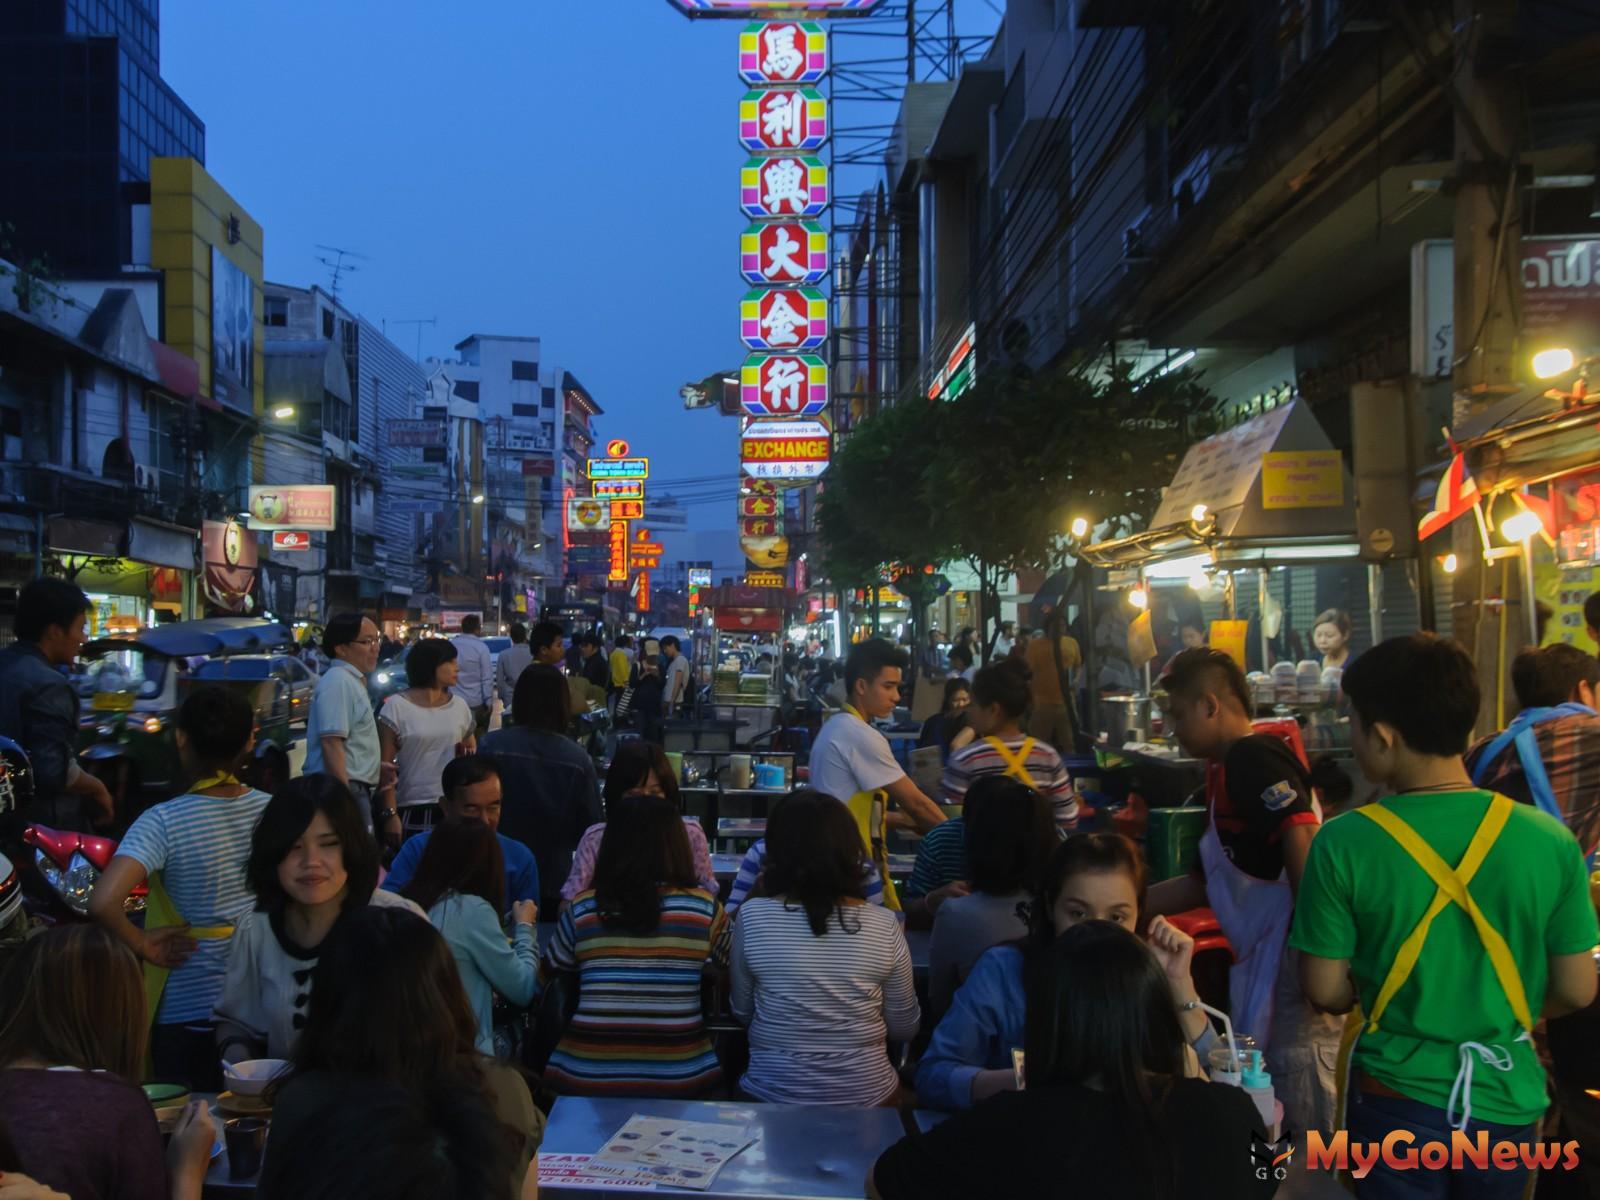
<point x="1004" y="683"/>
<point x="461" y="857"/>
<point x="951" y="686"/>
<point x="1080" y="853"/>
<point x="217" y="722"/>
<point x="1100" y="1012"/>
<point x="542" y="700"/>
<point x="632" y="766"/>
<point x="644" y="848"/>
<point x="361" y="1139"/>
<point x="285" y="820"/>
<point x="1010" y="830"/>
<point x="425" y="658"/>
<point x="814" y="856"/>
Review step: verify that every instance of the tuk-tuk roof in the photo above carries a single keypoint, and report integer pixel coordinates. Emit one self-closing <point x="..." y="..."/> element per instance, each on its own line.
<point x="214" y="635"/>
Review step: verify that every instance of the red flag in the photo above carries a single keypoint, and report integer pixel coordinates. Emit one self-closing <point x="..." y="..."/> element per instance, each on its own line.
<point x="1458" y="493"/>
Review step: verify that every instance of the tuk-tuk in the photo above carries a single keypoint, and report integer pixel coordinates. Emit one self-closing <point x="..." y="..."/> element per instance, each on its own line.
<point x="130" y="693"/>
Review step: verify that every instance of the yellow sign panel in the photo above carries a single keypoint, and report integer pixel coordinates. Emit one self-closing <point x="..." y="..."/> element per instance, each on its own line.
<point x="1302" y="479"/>
<point x="763" y="579"/>
<point x="1232" y="638"/>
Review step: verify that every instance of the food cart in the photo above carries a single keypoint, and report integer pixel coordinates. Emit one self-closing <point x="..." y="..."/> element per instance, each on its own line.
<point x="746" y="656"/>
<point x="1254" y="550"/>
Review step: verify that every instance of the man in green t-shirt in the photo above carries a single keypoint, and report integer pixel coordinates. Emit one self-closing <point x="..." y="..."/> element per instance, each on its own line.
<point x="1447" y="999"/>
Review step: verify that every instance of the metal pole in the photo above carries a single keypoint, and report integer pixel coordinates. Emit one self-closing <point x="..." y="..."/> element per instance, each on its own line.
<point x="1375" y="601"/>
<point x="1262" y="579"/>
<point x="1530" y="602"/>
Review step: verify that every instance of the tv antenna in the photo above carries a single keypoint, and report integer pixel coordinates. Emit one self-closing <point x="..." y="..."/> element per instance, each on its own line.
<point x="337" y="267"/>
<point x="419" y="322"/>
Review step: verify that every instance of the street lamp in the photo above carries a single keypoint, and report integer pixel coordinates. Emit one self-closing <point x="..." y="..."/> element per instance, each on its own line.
<point x="283" y="412"/>
<point x="478" y="499"/>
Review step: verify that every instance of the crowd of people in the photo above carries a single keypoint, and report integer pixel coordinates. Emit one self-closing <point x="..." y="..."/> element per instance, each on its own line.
<point x="374" y="924"/>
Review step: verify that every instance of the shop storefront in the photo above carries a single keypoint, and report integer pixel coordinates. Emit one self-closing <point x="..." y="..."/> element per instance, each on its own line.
<point x="136" y="575"/>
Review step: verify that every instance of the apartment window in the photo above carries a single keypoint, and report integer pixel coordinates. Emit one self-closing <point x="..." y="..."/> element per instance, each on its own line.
<point x="434" y="412"/>
<point x="327" y="323"/>
<point x="433" y="454"/>
<point x="524" y="410"/>
<point x="467" y="389"/>
<point x="527" y="372"/>
<point x="277" y="311"/>
<point x="547" y="397"/>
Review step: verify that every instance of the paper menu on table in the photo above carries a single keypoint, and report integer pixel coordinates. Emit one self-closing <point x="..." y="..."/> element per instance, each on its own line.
<point x="680" y="1153"/>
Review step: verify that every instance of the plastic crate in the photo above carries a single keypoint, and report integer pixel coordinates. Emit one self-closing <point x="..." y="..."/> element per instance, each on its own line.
<point x="1172" y="840"/>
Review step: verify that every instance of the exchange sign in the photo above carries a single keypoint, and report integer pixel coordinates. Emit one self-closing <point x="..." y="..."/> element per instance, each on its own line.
<point x="783" y="385"/>
<point x="791" y="185"/>
<point x="783" y="119"/>
<point x="760" y="506"/>
<point x="759" y="527"/>
<point x="793" y="253"/>
<point x="618" y="468"/>
<point x="783" y="52"/>
<point x="789" y="450"/>
<point x="783" y="319"/>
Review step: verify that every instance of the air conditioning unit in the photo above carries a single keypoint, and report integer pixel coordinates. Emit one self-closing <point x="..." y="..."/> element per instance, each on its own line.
<point x="146" y="479"/>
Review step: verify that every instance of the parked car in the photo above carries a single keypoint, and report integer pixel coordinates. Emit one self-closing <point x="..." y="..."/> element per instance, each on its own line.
<point x="131" y="691"/>
<point x="296" y="676"/>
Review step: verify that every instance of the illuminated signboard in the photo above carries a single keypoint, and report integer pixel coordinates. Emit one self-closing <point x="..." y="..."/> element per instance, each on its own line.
<point x="783" y="319"/>
<point x="586" y="513"/>
<point x="699" y="576"/>
<point x="618" y="468"/>
<point x="778" y="449"/>
<point x="293" y="506"/>
<point x="760" y="506"/>
<point x="790" y="185"/>
<point x="763" y="579"/>
<point x="759" y="527"/>
<point x="619" y="553"/>
<point x="775" y="8"/>
<point x="783" y="119"/>
<point x="627" y="510"/>
<point x="960" y="370"/>
<point x="617" y="448"/>
<point x="641" y="592"/>
<point x="783" y="52"/>
<point x="624" y="489"/>
<point x="793" y="253"/>
<point x="783" y="385"/>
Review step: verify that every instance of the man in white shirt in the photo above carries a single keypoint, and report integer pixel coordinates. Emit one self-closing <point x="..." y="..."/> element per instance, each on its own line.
<point x="341" y="731"/>
<point x="508" y="668"/>
<point x="677" y="688"/>
<point x="475" y="671"/>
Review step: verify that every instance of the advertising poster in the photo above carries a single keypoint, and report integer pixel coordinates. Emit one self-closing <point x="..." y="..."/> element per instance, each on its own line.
<point x="232" y="334"/>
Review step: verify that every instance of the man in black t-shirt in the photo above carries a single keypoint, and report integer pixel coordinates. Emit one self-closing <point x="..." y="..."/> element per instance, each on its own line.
<point x="1253" y="854"/>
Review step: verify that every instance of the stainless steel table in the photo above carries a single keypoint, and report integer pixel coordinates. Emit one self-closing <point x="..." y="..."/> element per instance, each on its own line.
<point x="802" y="1153"/>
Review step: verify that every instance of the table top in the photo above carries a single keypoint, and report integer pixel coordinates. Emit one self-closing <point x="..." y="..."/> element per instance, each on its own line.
<point x="927" y="1118"/>
<point x="218" y="1183"/>
<point x="802" y="1153"/>
<point x="726" y="866"/>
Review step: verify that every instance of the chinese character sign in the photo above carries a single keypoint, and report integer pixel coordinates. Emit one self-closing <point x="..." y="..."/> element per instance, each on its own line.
<point x="619" y="553"/>
<point x="783" y="385"/>
<point x="786" y="253"/>
<point x="790" y="185"/>
<point x="784" y="319"/>
<point x="783" y="119"/>
<point x="783" y="52"/>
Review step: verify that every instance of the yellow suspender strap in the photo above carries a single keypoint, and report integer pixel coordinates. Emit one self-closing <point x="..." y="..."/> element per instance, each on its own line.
<point x="1452" y="885"/>
<point x="1017" y="763"/>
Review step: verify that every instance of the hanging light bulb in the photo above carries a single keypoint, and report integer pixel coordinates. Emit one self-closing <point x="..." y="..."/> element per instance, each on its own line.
<point x="1139" y="598"/>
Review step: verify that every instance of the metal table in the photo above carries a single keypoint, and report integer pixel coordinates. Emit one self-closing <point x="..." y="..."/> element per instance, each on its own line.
<point x="802" y="1153"/>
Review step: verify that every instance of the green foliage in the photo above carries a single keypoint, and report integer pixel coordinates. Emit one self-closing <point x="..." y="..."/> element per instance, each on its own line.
<point x="998" y="474"/>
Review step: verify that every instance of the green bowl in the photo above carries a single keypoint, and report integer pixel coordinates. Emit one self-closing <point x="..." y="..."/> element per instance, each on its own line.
<point x="164" y="1095"/>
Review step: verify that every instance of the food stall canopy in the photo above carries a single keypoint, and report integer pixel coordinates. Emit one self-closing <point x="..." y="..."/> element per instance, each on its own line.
<point x="1273" y="489"/>
<point x="212" y="636"/>
<point x="1509" y="444"/>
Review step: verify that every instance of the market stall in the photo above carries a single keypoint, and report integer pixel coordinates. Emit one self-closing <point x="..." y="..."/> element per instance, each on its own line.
<point x="1253" y="551"/>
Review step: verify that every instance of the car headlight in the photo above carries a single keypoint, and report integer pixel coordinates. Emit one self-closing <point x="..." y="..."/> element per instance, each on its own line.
<point x="74" y="884"/>
<point x="153" y="724"/>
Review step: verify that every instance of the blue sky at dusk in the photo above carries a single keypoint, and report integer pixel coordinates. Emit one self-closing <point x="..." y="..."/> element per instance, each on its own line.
<point x="562" y="169"/>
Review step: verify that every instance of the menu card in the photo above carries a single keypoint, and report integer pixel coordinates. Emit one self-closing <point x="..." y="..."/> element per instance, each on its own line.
<point x="678" y="1153"/>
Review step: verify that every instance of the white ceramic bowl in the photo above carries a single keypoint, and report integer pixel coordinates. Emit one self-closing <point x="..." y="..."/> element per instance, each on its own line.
<point x="251" y="1077"/>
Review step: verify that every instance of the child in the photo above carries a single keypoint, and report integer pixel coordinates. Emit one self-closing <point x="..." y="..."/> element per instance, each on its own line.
<point x="193" y="849"/>
<point x="1442" y="1037"/>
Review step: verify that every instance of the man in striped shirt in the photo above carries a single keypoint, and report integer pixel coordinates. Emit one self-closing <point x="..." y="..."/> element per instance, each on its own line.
<point x="999" y="698"/>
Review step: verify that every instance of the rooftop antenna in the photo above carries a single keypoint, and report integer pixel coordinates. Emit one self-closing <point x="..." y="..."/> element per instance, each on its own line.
<point x="419" y="322"/>
<point x="337" y="267"/>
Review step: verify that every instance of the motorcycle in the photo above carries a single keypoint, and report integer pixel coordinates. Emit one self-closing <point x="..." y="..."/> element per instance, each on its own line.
<point x="58" y="869"/>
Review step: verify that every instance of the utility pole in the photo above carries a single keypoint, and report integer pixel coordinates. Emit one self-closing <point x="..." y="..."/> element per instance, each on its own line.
<point x="1487" y="604"/>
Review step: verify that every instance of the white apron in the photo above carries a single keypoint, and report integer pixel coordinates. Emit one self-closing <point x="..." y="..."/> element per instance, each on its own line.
<point x="1255" y="914"/>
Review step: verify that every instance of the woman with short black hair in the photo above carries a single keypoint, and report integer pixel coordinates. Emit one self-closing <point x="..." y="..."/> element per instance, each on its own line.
<point x="639" y="940"/>
<point x="419" y="731"/>
<point x="822" y="978"/>
<point x="311" y="861"/>
<point x="1107" y="1110"/>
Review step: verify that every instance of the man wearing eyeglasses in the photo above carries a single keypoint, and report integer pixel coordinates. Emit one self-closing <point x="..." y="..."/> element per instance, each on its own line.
<point x="341" y="732"/>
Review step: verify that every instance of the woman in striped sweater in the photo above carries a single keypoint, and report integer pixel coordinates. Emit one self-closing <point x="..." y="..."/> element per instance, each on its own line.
<point x="638" y="940"/>
<point x="822" y="978"/>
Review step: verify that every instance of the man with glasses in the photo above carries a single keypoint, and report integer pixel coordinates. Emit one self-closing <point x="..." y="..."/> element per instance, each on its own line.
<point x="341" y="732"/>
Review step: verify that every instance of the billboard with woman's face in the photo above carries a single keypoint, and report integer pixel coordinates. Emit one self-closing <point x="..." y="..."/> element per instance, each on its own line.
<point x="232" y="334"/>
